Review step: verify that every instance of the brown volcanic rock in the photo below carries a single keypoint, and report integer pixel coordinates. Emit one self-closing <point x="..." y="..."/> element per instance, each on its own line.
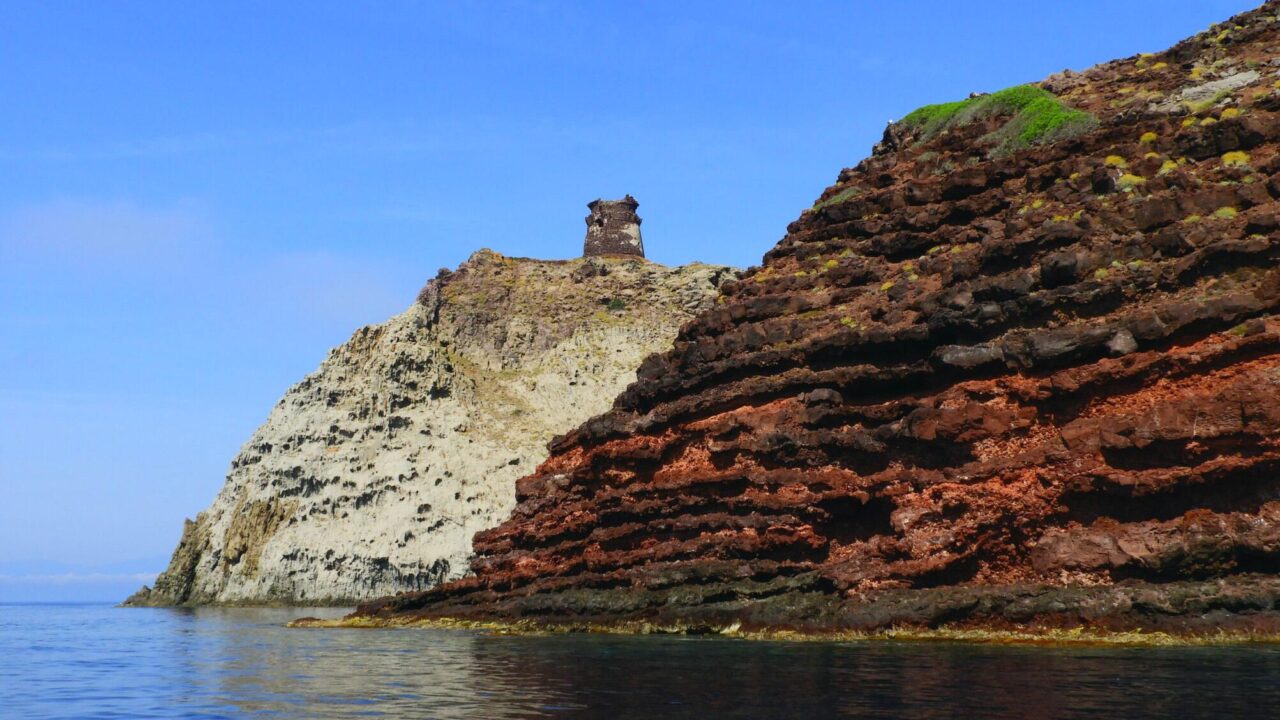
<point x="968" y="387"/>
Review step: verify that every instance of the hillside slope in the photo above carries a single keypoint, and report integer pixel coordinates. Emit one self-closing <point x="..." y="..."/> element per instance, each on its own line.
<point x="371" y="475"/>
<point x="1020" y="367"/>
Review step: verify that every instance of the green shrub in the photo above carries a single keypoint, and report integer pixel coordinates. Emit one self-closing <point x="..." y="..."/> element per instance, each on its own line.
<point x="617" y="304"/>
<point x="1235" y="158"/>
<point x="1038" y="117"/>
<point x="1044" y="120"/>
<point x="1129" y="181"/>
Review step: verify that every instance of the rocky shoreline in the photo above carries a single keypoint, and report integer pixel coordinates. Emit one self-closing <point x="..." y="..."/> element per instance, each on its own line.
<point x="1241" y="608"/>
<point x="1017" y="370"/>
<point x="1244" y="610"/>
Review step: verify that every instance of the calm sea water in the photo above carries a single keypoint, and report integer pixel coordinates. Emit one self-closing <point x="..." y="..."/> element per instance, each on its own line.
<point x="90" y="661"/>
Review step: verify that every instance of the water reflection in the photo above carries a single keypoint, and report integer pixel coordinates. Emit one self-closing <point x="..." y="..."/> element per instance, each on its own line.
<point x="77" y="661"/>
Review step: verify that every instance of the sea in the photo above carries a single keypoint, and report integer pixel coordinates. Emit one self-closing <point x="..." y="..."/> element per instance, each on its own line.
<point x="100" y="661"/>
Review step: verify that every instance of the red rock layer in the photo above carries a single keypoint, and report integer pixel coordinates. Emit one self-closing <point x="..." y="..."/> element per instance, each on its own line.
<point x="1054" y="373"/>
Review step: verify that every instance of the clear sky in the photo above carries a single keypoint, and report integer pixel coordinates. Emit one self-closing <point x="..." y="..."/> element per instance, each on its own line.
<point x="198" y="200"/>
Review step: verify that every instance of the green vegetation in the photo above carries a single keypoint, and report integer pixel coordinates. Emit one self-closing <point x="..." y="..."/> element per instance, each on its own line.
<point x="1225" y="213"/>
<point x="837" y="198"/>
<point x="617" y="304"/>
<point x="1066" y="218"/>
<point x="1235" y="158"/>
<point x="1206" y="104"/>
<point x="1129" y="181"/>
<point x="1038" y="117"/>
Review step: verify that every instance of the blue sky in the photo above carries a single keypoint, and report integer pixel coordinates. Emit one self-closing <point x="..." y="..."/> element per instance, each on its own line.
<point x="198" y="200"/>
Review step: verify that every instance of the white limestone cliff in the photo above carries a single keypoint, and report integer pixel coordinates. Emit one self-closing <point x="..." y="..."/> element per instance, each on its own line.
<point x="372" y="474"/>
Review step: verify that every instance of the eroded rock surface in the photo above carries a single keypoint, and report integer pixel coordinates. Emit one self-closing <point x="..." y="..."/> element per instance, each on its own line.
<point x="371" y="476"/>
<point x="993" y="376"/>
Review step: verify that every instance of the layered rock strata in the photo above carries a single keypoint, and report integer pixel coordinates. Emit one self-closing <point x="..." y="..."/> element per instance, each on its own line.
<point x="371" y="475"/>
<point x="1020" y="367"/>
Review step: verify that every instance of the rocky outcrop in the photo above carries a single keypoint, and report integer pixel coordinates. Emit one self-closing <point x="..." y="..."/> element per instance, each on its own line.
<point x="1020" y="367"/>
<point x="372" y="475"/>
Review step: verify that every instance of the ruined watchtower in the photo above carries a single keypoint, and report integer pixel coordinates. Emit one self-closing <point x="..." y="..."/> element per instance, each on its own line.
<point x="613" y="228"/>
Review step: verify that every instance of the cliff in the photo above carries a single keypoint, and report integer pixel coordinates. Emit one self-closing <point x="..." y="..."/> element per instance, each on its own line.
<point x="371" y="475"/>
<point x="1018" y="368"/>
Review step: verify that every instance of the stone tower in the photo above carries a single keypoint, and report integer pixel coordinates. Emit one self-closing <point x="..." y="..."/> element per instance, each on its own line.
<point x="613" y="228"/>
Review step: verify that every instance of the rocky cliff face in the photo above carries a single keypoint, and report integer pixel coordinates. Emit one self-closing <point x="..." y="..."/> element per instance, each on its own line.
<point x="1019" y="367"/>
<point x="371" y="475"/>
